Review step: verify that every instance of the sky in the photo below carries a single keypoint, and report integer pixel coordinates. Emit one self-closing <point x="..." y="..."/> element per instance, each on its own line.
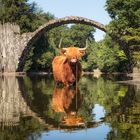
<point x="92" y="9"/>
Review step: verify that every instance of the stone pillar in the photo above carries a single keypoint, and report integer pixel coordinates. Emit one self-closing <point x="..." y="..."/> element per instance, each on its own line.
<point x="12" y="103"/>
<point x="12" y="44"/>
<point x="9" y="52"/>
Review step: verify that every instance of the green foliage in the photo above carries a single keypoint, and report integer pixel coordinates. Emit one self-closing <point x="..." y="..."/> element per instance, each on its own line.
<point x="54" y="37"/>
<point x="36" y="59"/>
<point x="20" y="12"/>
<point x="125" y="23"/>
<point x="27" y="16"/>
<point x="29" y="61"/>
<point x="126" y="11"/>
<point x="124" y="119"/>
<point x="45" y="60"/>
<point x="24" y="130"/>
<point x="103" y="57"/>
<point x="79" y="33"/>
<point x="136" y="56"/>
<point x="106" y="55"/>
<point x="74" y="35"/>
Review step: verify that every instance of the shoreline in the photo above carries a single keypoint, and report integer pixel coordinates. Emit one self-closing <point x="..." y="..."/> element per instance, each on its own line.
<point x="50" y="73"/>
<point x="134" y="81"/>
<point x="135" y="76"/>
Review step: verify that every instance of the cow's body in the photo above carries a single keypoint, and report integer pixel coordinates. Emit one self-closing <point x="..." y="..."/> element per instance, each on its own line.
<point x="66" y="72"/>
<point x="66" y="67"/>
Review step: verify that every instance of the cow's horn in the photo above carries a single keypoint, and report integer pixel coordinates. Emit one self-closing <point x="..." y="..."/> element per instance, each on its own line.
<point x="83" y="49"/>
<point x="60" y="42"/>
<point x="64" y="49"/>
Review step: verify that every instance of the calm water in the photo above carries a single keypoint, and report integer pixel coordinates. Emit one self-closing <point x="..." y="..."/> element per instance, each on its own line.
<point x="32" y="108"/>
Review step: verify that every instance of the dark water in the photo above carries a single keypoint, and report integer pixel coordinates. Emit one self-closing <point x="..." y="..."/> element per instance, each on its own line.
<point x="32" y="108"/>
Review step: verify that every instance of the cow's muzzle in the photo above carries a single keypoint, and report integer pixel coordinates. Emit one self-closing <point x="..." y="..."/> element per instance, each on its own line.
<point x="73" y="60"/>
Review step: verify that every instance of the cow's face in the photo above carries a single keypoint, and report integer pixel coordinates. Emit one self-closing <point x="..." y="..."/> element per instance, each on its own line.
<point x="73" y="53"/>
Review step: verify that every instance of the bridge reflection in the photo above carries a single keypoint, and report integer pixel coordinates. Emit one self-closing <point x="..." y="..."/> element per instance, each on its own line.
<point x="32" y="105"/>
<point x="58" y="107"/>
<point x="12" y="104"/>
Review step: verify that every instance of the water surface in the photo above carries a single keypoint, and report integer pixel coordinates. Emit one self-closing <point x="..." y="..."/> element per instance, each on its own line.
<point x="32" y="108"/>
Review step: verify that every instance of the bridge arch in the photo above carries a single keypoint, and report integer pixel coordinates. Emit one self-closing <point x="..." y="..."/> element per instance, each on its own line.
<point x="66" y="20"/>
<point x="31" y="38"/>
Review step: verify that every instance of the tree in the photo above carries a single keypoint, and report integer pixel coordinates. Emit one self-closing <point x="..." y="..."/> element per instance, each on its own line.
<point x="107" y="56"/>
<point x="45" y="61"/>
<point x="19" y="12"/>
<point x="125" y="25"/>
<point x="41" y="46"/>
<point x="75" y="35"/>
<point x="79" y="33"/>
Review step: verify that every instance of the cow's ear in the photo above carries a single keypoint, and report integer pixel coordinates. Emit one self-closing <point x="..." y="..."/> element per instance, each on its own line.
<point x="63" y="51"/>
<point x="82" y="52"/>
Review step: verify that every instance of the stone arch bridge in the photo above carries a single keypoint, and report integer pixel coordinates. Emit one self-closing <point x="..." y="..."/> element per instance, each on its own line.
<point x="14" y="46"/>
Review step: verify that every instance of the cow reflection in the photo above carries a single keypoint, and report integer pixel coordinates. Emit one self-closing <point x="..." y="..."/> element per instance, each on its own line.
<point x="68" y="100"/>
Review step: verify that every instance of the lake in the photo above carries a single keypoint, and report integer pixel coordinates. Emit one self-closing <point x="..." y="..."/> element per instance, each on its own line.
<point x="33" y="108"/>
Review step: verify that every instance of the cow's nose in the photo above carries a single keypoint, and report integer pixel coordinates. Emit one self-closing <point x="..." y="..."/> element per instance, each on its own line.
<point x="73" y="60"/>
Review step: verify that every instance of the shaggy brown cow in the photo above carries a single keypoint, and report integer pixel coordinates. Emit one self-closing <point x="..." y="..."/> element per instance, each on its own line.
<point x="66" y="67"/>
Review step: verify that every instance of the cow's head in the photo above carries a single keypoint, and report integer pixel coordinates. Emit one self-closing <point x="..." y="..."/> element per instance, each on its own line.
<point x="74" y="53"/>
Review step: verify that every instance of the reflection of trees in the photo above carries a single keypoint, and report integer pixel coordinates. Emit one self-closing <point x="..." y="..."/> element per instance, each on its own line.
<point x="14" y="124"/>
<point x="125" y="118"/>
<point x="24" y="130"/>
<point x="121" y="104"/>
<point x="102" y="91"/>
<point x="38" y="93"/>
<point x="94" y="91"/>
<point x="12" y="104"/>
